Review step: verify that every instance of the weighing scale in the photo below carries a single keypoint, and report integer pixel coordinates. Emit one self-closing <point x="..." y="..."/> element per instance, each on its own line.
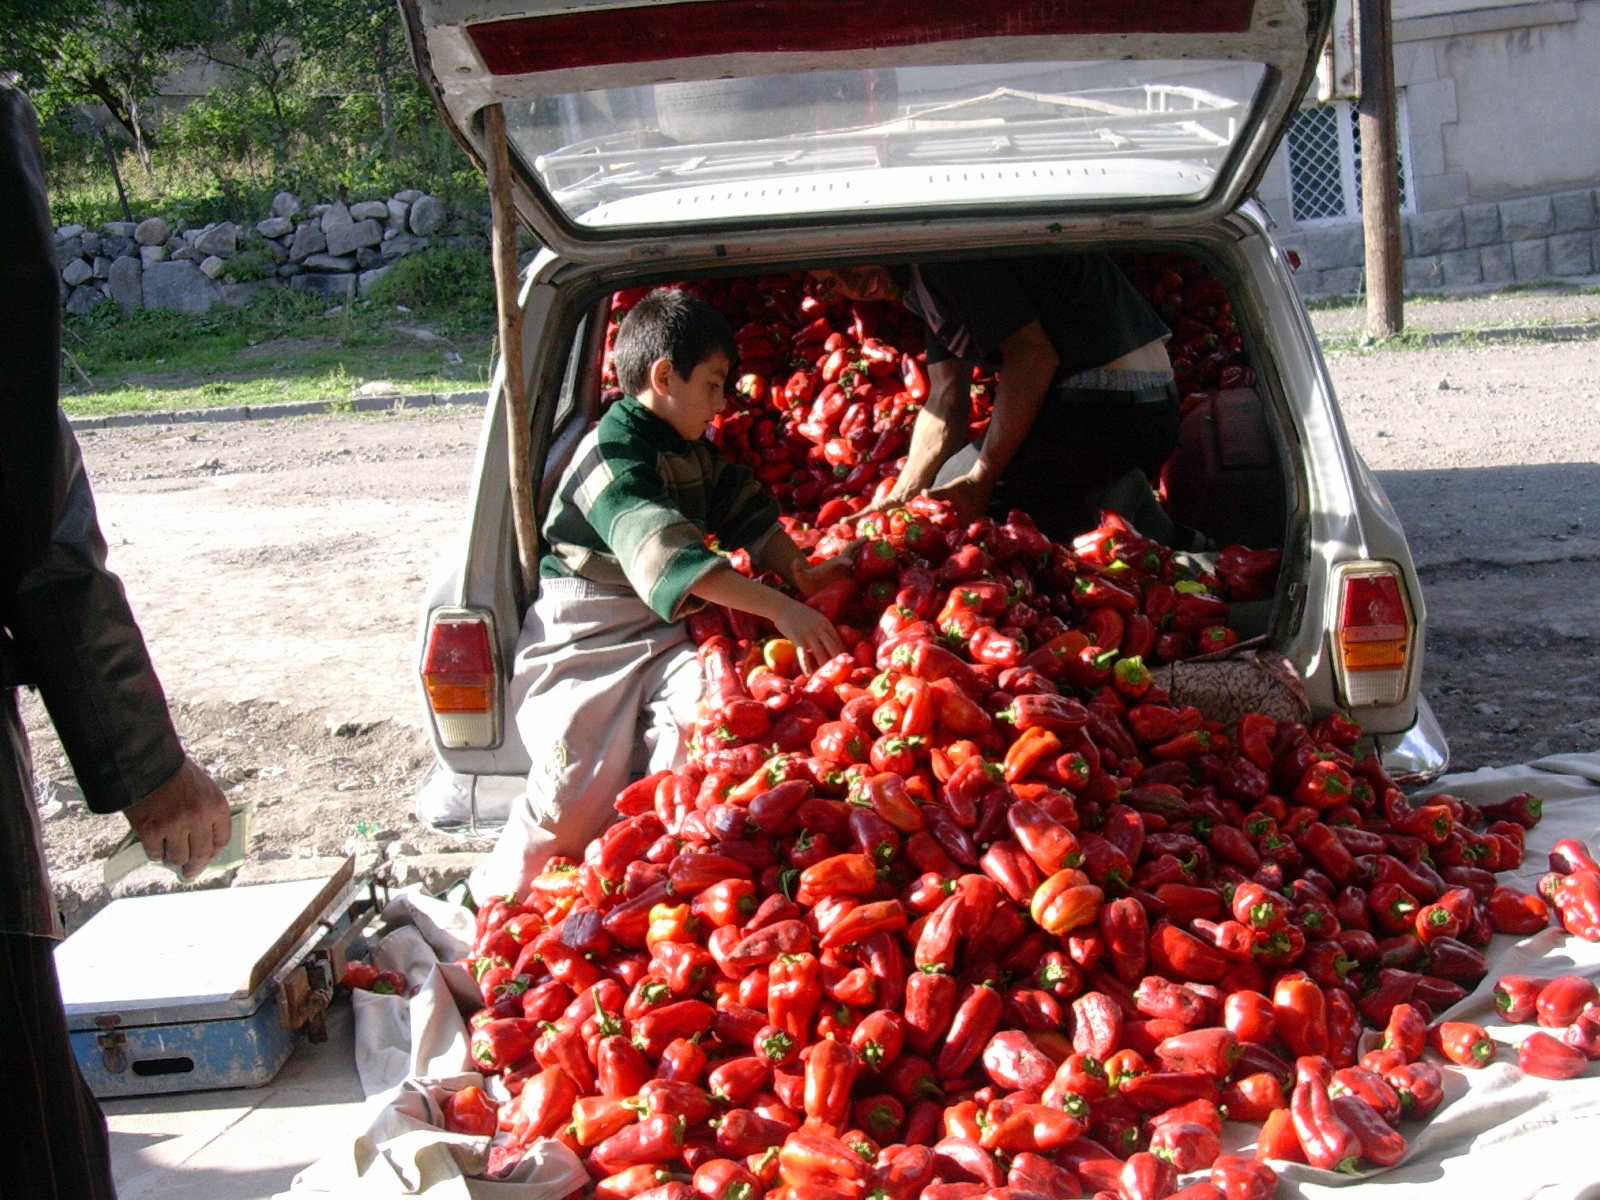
<point x="192" y="991"/>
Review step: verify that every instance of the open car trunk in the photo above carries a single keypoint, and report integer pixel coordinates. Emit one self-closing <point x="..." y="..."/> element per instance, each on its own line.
<point x="729" y="121"/>
<point x="1229" y="478"/>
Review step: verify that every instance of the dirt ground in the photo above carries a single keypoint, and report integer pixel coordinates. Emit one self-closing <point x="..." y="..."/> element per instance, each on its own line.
<point x="277" y="569"/>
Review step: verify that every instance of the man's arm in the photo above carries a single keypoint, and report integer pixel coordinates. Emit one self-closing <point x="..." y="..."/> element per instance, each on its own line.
<point x="75" y="637"/>
<point x="1027" y="366"/>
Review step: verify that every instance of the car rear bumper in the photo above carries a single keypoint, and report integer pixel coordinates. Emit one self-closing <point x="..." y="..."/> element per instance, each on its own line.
<point x="1418" y="755"/>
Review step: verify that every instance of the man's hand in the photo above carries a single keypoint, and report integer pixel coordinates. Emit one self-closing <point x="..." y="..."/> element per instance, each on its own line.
<point x="184" y="821"/>
<point x="812" y="579"/>
<point x="887" y="504"/>
<point x="814" y="637"/>
<point x="968" y="495"/>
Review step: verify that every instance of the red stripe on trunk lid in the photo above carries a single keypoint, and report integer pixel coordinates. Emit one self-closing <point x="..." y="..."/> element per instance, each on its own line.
<point x="649" y="33"/>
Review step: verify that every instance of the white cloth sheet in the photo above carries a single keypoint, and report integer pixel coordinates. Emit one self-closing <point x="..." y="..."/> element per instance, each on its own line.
<point x="410" y="1055"/>
<point x="1500" y="1134"/>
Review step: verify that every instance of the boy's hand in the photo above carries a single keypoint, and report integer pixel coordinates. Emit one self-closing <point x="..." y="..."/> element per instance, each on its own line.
<point x="814" y="637"/>
<point x="812" y="579"/>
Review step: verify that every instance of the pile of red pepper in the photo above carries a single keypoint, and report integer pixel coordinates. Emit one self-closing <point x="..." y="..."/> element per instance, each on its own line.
<point x="974" y="909"/>
<point x="828" y="388"/>
<point x="826" y="392"/>
<point x="950" y="915"/>
<point x="951" y="628"/>
<point x="1567" y="1003"/>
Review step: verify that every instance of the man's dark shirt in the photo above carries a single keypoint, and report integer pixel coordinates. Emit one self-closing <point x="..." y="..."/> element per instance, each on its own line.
<point x="1086" y="306"/>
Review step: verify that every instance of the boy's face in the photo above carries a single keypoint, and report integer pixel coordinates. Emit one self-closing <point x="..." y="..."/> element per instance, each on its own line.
<point x="689" y="404"/>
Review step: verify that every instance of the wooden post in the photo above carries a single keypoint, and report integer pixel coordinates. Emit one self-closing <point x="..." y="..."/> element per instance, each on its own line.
<point x="1380" y="173"/>
<point x="519" y="431"/>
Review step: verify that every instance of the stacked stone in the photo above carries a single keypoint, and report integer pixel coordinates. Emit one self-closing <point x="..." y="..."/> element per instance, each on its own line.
<point x="336" y="250"/>
<point x="1530" y="240"/>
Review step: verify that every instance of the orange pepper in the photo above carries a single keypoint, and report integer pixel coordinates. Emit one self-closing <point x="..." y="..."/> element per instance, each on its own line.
<point x="1031" y="748"/>
<point x="1066" y="901"/>
<point x="670" y="923"/>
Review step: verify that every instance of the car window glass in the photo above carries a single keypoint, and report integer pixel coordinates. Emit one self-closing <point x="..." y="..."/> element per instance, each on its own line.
<point x="886" y="139"/>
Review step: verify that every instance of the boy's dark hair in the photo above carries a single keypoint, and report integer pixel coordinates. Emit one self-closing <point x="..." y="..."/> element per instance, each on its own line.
<point x="670" y="324"/>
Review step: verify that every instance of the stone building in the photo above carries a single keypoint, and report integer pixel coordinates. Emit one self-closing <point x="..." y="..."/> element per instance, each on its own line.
<point x="1500" y="149"/>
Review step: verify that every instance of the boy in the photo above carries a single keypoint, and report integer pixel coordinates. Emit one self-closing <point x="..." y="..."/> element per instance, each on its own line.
<point x="607" y="676"/>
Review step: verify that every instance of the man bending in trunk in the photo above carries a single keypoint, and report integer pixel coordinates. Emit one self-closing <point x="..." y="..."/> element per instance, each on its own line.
<point x="1085" y="411"/>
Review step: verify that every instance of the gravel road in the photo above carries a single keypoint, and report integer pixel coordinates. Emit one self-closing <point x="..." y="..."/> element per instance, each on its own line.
<point x="277" y="568"/>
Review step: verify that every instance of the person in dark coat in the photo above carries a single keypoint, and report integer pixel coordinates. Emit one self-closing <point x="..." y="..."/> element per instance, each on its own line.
<point x="65" y="630"/>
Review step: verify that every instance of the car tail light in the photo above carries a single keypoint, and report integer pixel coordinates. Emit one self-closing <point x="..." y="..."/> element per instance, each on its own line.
<point x="1374" y="634"/>
<point x="462" y="680"/>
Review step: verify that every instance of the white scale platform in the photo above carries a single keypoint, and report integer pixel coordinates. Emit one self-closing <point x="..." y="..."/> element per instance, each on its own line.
<point x="175" y="992"/>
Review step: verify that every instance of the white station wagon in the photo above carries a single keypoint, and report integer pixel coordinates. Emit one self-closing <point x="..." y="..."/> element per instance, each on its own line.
<point x="677" y="139"/>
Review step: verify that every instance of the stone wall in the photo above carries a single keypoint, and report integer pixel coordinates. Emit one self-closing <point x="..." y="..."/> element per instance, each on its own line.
<point x="336" y="250"/>
<point x="1536" y="238"/>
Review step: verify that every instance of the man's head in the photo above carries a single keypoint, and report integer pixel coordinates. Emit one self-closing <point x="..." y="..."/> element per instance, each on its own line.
<point x="673" y="353"/>
<point x="862" y="283"/>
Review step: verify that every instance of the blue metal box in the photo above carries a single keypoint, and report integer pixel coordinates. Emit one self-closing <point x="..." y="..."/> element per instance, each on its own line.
<point x="192" y="991"/>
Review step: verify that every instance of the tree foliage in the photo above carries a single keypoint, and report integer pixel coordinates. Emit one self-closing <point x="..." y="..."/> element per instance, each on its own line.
<point x="318" y="96"/>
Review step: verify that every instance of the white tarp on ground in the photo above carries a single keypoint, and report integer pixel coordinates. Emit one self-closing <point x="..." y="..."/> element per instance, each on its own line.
<point x="410" y="1055"/>
<point x="1503" y="1135"/>
<point x="1499" y="1136"/>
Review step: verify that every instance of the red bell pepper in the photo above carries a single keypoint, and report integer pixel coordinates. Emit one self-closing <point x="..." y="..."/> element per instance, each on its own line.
<point x="1516" y="912"/>
<point x="1278" y="1138"/>
<point x="1146" y="1176"/>
<point x="470" y="1111"/>
<point x="1327" y="1140"/>
<point x="544" y="1106"/>
<point x="1543" y="1056"/>
<point x="830" y="1073"/>
<point x="1516" y="996"/>
<point x="1300" y="1012"/>
<point x="977" y="1014"/>
<point x="1183" y="956"/>
<point x="1097" y="1025"/>
<point x="1463" y="1043"/>
<point x="501" y="1044"/>
<point x="930" y="1002"/>
<point x="1381" y="1144"/>
<point x="1406" y="1031"/>
<point x="1584" y="1033"/>
<point x="1243" y="1179"/>
<point x="1066" y="901"/>
<point x="1563" y="998"/>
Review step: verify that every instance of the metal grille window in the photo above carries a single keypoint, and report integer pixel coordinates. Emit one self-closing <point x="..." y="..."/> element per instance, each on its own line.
<point x="1325" y="164"/>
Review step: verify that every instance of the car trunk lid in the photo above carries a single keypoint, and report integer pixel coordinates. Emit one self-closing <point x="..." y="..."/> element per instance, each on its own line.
<point x="716" y="119"/>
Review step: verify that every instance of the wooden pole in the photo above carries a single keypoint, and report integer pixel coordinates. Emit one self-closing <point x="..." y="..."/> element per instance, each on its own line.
<point x="519" y="425"/>
<point x="1380" y="173"/>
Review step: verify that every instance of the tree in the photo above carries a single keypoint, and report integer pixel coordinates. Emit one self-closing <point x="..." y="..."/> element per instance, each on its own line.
<point x="111" y="52"/>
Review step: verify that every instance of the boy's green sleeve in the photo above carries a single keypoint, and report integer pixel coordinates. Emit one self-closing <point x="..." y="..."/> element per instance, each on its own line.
<point x="661" y="552"/>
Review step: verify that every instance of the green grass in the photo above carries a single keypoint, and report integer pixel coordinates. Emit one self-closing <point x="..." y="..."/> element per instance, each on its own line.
<point x="281" y="346"/>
